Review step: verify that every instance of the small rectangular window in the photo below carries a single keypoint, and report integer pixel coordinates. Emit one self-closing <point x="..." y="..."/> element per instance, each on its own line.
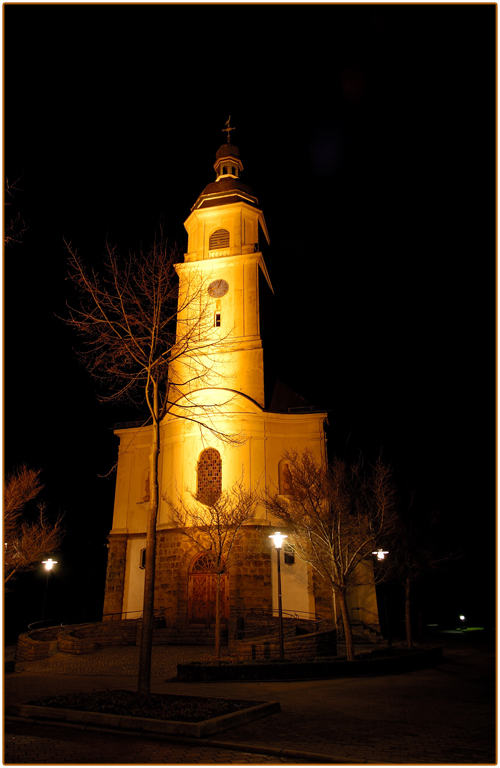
<point x="289" y="556"/>
<point x="217" y="320"/>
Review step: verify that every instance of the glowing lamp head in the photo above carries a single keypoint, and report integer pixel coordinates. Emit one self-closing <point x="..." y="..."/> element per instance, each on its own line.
<point x="49" y="564"/>
<point x="462" y="618"/>
<point x="278" y="539"/>
<point x="381" y="553"/>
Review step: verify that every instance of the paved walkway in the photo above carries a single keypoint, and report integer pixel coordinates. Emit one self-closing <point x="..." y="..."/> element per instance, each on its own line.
<point x="441" y="715"/>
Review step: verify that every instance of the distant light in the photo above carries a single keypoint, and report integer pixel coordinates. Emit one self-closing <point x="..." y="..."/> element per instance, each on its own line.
<point x="49" y="563"/>
<point x="278" y="539"/>
<point x="381" y="553"/>
<point x="462" y="618"/>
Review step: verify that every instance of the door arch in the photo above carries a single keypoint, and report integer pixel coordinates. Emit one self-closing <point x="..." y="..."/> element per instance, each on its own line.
<point x="202" y="590"/>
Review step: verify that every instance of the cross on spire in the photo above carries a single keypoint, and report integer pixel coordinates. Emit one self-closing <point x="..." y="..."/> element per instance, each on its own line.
<point x="228" y="130"/>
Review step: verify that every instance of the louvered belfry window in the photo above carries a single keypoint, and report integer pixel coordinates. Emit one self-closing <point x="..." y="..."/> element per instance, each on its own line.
<point x="219" y="239"/>
<point x="209" y="476"/>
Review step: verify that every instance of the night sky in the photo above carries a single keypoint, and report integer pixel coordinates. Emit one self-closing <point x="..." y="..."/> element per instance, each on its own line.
<point x="367" y="133"/>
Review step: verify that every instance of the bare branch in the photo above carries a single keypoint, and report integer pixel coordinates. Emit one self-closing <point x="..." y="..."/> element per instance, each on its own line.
<point x="15" y="226"/>
<point x="334" y="516"/>
<point x="26" y="543"/>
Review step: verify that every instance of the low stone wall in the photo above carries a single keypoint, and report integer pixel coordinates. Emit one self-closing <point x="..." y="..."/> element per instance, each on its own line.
<point x="399" y="663"/>
<point x="38" y="644"/>
<point x="78" y="639"/>
<point x="299" y="648"/>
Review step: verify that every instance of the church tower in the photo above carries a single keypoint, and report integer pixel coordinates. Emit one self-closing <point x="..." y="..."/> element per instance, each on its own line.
<point x="225" y="229"/>
<point x="224" y="269"/>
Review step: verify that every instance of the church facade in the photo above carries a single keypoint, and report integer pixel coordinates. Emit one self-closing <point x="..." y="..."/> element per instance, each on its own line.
<point x="226" y="230"/>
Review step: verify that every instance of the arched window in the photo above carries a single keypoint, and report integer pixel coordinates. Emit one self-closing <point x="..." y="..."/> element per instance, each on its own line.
<point x="285" y="478"/>
<point x="219" y="239"/>
<point x="209" y="486"/>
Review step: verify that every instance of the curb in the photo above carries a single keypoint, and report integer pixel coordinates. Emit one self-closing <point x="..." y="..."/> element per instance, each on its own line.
<point x="264" y="749"/>
<point x="308" y="670"/>
<point x="143" y="724"/>
<point x="253" y="748"/>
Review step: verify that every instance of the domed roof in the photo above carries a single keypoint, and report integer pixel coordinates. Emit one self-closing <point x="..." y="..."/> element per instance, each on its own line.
<point x="227" y="149"/>
<point x="226" y="190"/>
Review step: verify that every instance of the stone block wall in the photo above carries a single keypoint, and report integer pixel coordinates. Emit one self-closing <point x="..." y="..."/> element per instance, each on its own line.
<point x="300" y="648"/>
<point x="83" y="638"/>
<point x="115" y="577"/>
<point x="249" y="575"/>
<point x="38" y="644"/>
<point x="174" y="552"/>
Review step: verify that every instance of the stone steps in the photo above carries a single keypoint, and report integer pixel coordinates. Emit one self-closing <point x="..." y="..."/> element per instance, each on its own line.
<point x="188" y="636"/>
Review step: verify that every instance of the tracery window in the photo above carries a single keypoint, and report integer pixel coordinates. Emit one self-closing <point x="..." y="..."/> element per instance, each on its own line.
<point x="209" y="481"/>
<point x="219" y="239"/>
<point x="205" y="563"/>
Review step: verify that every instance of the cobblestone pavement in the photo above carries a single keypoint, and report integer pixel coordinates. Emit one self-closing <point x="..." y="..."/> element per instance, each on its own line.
<point x="444" y="715"/>
<point x="118" y="660"/>
<point x="36" y="744"/>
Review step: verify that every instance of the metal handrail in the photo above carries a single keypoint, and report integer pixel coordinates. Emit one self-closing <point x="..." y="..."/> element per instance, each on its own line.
<point x="68" y="622"/>
<point x="314" y="618"/>
<point x="361" y="608"/>
<point x="49" y="622"/>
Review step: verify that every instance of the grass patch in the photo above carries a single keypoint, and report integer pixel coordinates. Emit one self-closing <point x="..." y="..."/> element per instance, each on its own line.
<point x="159" y="706"/>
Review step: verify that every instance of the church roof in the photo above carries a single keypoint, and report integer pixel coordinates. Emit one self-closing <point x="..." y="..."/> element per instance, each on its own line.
<point x="226" y="150"/>
<point x="229" y="190"/>
<point x="285" y="400"/>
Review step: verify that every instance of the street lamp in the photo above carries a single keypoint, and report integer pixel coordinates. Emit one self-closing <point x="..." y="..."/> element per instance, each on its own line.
<point x="278" y="539"/>
<point x="49" y="564"/>
<point x="381" y="553"/>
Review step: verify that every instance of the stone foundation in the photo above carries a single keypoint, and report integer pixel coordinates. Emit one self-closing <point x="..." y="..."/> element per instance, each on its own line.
<point x="299" y="648"/>
<point x="249" y="575"/>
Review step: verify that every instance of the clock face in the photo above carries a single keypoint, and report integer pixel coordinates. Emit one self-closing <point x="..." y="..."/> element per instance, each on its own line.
<point x="218" y="288"/>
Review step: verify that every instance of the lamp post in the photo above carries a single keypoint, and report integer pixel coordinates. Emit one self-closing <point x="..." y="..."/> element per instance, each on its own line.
<point x="381" y="553"/>
<point x="49" y="564"/>
<point x="278" y="539"/>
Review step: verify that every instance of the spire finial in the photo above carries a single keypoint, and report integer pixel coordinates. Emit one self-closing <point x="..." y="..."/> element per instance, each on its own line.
<point x="228" y="130"/>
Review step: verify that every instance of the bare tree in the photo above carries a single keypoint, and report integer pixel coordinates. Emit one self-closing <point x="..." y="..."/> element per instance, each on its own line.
<point x="25" y="542"/>
<point x="415" y="551"/>
<point x="148" y="343"/>
<point x="15" y="227"/>
<point x="335" y="515"/>
<point x="213" y="524"/>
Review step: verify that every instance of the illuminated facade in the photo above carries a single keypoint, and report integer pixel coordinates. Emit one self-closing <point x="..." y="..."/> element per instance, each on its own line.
<point x="226" y="229"/>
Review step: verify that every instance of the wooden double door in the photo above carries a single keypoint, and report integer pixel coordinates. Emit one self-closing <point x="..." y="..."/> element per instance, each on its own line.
<point x="202" y="592"/>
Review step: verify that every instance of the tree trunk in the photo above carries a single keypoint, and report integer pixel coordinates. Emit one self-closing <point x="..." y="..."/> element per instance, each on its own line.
<point x="349" y="640"/>
<point x="409" y="639"/>
<point x="217" y="619"/>
<point x="145" y="653"/>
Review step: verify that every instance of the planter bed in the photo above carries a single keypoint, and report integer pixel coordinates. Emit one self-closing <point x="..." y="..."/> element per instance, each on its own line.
<point x="197" y="717"/>
<point x="391" y="663"/>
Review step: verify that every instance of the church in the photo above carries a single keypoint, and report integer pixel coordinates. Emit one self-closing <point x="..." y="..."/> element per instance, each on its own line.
<point x="227" y="237"/>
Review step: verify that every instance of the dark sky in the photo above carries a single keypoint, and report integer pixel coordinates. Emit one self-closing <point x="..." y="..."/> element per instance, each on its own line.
<point x="368" y="134"/>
